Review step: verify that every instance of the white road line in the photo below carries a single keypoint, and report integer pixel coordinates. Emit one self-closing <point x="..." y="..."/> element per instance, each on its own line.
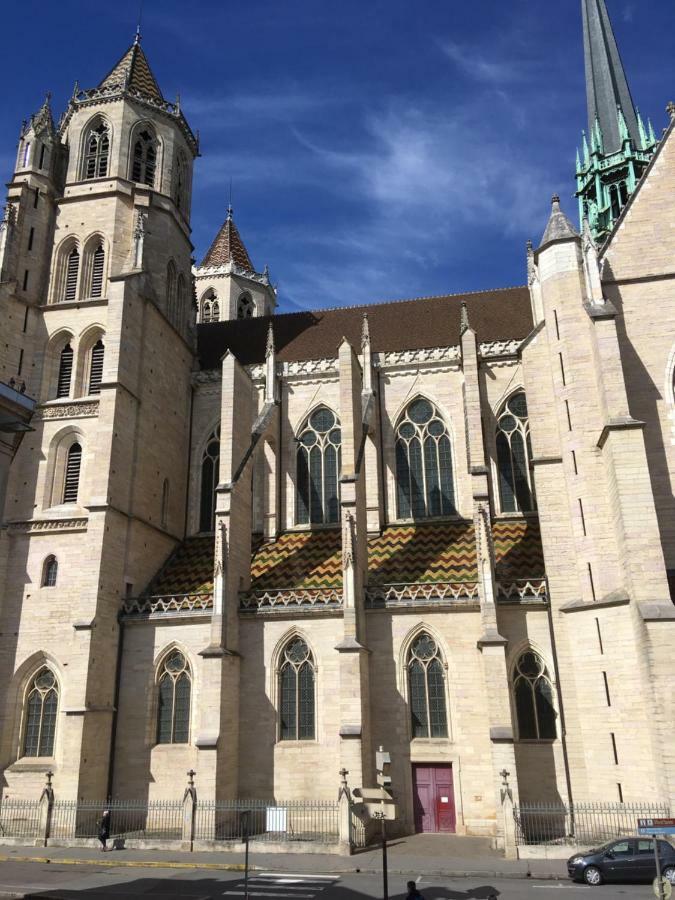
<point x="560" y="887"/>
<point x="308" y="875"/>
<point x="418" y="879"/>
<point x="267" y="894"/>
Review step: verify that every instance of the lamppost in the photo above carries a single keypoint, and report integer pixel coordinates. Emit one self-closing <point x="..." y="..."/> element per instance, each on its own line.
<point x="385" y="877"/>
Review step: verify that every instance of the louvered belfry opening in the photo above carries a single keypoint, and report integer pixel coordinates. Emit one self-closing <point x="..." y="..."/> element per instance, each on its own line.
<point x="96" y="367"/>
<point x="98" y="148"/>
<point x="72" y="270"/>
<point x="98" y="262"/>
<point x="65" y="372"/>
<point x="145" y="159"/>
<point x="72" y="479"/>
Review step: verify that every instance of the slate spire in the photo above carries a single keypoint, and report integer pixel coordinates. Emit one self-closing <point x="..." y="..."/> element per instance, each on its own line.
<point x="606" y="84"/>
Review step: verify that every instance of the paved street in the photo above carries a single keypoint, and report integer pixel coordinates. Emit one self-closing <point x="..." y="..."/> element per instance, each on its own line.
<point x="90" y="882"/>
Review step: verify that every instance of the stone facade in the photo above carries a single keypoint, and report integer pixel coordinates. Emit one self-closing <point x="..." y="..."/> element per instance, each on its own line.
<point x="580" y="579"/>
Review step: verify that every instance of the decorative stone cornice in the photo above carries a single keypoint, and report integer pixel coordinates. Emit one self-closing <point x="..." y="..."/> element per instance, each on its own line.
<point x="170" y="604"/>
<point x="231" y="268"/>
<point x="499" y="348"/>
<point x="310" y="367"/>
<point x="40" y="526"/>
<point x="71" y="410"/>
<point x="318" y="598"/>
<point x="406" y="357"/>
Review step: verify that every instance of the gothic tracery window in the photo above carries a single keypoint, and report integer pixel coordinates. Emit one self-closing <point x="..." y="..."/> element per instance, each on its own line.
<point x="533" y="694"/>
<point x="173" y="713"/>
<point x="296" y="692"/>
<point x="42" y="701"/>
<point x="180" y="182"/>
<point x="144" y="158"/>
<point x="514" y="455"/>
<point x="210" y="311"/>
<point x="424" y="479"/>
<point x="427" y="689"/>
<point x="317" y="469"/>
<point x="245" y="307"/>
<point x="97" y="151"/>
<point x="209" y="481"/>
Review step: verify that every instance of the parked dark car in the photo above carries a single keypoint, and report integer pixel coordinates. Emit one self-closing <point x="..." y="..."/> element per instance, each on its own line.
<point x="627" y="859"/>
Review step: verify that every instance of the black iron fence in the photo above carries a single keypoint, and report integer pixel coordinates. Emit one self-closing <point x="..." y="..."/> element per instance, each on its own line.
<point x="582" y="823"/>
<point x="158" y="819"/>
<point x="261" y="820"/>
<point x="19" y="818"/>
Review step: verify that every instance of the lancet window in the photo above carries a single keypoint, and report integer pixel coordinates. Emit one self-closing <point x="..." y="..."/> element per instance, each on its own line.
<point x="514" y="455"/>
<point x="427" y="689"/>
<point x="533" y="694"/>
<point x="65" y="372"/>
<point x="210" y="311"/>
<point x="424" y="479"/>
<point x="209" y="481"/>
<point x="96" y="367"/>
<point x="72" y="272"/>
<point x="71" y="481"/>
<point x="50" y="571"/>
<point x="173" y="712"/>
<point x="245" y="307"/>
<point x="97" y="152"/>
<point x="144" y="158"/>
<point x="97" y="270"/>
<point x="318" y="466"/>
<point x="42" y="702"/>
<point x="296" y="693"/>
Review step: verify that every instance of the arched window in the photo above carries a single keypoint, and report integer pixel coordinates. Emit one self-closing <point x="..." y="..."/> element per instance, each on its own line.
<point x="427" y="689"/>
<point x="72" y="271"/>
<point x="96" y="367"/>
<point x="42" y="702"/>
<point x="245" y="307"/>
<point x="181" y="296"/>
<point x="165" y="503"/>
<point x="171" y="291"/>
<point x="97" y="151"/>
<point x="424" y="483"/>
<point x="180" y="178"/>
<point x="173" y="713"/>
<point x="71" y="481"/>
<point x="296" y="693"/>
<point x="144" y="158"/>
<point x="97" y="269"/>
<point x="318" y="467"/>
<point x="26" y="155"/>
<point x="50" y="571"/>
<point x="210" y="472"/>
<point x="533" y="694"/>
<point x="210" y="311"/>
<point x="65" y="372"/>
<point x="513" y="456"/>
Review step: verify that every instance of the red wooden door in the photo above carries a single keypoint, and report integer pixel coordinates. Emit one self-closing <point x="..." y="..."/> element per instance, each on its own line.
<point x="433" y="798"/>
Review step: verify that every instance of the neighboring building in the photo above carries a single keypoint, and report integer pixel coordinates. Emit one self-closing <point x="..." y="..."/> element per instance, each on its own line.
<point x="264" y="545"/>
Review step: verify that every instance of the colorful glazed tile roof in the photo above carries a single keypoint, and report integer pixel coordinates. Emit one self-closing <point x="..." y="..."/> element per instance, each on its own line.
<point x="189" y="569"/>
<point x="134" y="71"/>
<point x="439" y="551"/>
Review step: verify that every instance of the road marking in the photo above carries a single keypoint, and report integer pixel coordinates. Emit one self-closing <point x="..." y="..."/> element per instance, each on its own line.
<point x="561" y="887"/>
<point x="418" y="879"/>
<point x="267" y="894"/>
<point x="310" y="875"/>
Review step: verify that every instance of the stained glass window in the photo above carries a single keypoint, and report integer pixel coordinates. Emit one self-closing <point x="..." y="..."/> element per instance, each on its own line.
<point x="318" y="468"/>
<point x="424" y="482"/>
<point x="514" y="454"/>
<point x="296" y="693"/>
<point x="533" y="693"/>
<point x="173" y="713"/>
<point x="42" y="703"/>
<point x="427" y="689"/>
<point x="210" y="474"/>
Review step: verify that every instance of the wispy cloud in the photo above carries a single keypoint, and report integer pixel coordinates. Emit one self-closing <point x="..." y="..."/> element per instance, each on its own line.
<point x="628" y="13"/>
<point x="479" y="67"/>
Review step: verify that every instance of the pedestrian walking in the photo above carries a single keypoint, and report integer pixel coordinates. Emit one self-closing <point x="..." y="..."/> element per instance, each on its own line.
<point x="413" y="893"/>
<point x="104" y="830"/>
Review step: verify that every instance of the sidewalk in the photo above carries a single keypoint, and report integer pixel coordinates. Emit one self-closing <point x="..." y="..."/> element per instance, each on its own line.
<point x="418" y="854"/>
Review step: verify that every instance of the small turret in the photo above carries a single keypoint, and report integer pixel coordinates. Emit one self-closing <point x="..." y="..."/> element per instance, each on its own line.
<point x="37" y="142"/>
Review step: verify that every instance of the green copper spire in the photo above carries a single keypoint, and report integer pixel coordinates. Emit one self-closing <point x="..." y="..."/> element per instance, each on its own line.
<point x="620" y="148"/>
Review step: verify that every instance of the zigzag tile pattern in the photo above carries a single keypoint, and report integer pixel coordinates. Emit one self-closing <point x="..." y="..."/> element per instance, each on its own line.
<point x="518" y="550"/>
<point x="442" y="551"/>
<point x="299" y="559"/>
<point x="189" y="569"/>
<point x="402" y="554"/>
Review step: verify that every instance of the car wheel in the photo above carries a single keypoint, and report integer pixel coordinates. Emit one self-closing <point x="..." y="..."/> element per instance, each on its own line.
<point x="669" y="873"/>
<point x="593" y="875"/>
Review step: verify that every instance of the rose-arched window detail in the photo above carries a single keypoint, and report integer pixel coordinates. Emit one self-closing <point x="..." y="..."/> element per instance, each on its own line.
<point x="42" y="703"/>
<point x="424" y="478"/>
<point x="97" y="152"/>
<point x="296" y="693"/>
<point x="173" y="712"/>
<point x="144" y="161"/>
<point x="533" y="692"/>
<point x="514" y="455"/>
<point x="318" y="464"/>
<point x="427" y="689"/>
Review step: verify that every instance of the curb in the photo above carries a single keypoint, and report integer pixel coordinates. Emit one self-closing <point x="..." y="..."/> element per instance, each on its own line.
<point x="239" y="867"/>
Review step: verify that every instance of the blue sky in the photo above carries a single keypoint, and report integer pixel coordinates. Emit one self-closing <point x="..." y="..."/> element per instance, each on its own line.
<point x="378" y="149"/>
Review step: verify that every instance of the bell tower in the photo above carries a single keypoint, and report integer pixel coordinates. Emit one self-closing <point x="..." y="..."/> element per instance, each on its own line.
<point x="618" y="146"/>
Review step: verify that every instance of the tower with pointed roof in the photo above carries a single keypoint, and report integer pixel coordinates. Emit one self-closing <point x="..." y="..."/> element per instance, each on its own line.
<point x="618" y="147"/>
<point x="227" y="283"/>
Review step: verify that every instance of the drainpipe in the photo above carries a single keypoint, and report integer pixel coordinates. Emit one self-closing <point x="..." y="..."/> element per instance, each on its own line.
<point x="563" y="728"/>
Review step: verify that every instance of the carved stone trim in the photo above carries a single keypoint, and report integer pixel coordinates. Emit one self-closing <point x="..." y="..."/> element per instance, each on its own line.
<point x="427" y="354"/>
<point x="168" y="604"/>
<point x="254" y="601"/>
<point x="310" y="367"/>
<point x="40" y="526"/>
<point x="499" y="348"/>
<point x="71" y="410"/>
<point x="441" y="592"/>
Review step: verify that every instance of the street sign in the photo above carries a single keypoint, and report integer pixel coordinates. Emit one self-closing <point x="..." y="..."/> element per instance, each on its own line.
<point x="662" y="887"/>
<point x="656" y="826"/>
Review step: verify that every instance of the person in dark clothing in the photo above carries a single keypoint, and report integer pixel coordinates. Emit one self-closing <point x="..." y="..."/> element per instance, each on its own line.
<point x="413" y="893"/>
<point x="104" y="829"/>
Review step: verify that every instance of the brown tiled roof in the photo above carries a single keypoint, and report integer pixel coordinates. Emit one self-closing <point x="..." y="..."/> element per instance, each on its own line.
<point x="134" y="71"/>
<point x="227" y="246"/>
<point x="399" y="325"/>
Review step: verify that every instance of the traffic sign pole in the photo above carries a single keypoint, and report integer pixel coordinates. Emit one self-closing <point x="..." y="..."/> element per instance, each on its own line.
<point x="658" y="868"/>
